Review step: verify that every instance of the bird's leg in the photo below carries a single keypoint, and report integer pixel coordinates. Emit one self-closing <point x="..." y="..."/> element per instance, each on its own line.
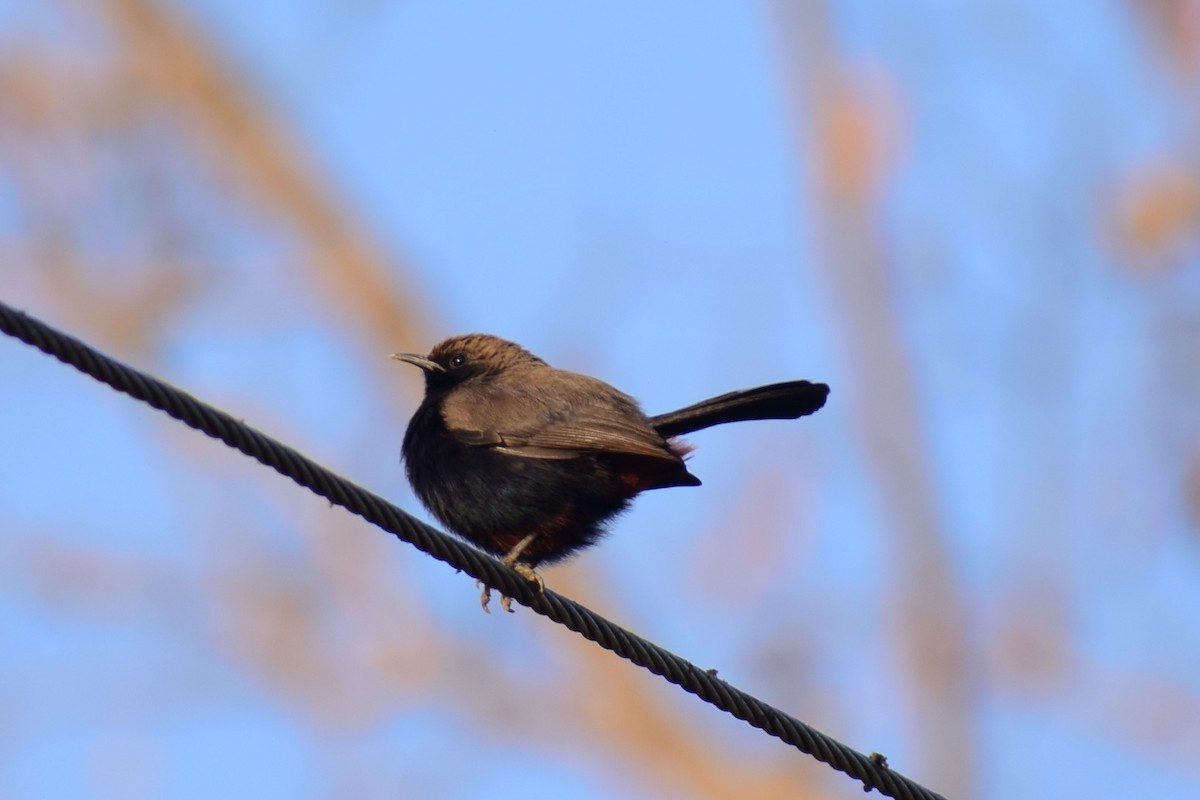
<point x="512" y="560"/>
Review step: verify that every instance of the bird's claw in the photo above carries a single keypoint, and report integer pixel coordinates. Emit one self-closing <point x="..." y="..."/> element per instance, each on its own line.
<point x="528" y="573"/>
<point x="485" y="597"/>
<point x="521" y="568"/>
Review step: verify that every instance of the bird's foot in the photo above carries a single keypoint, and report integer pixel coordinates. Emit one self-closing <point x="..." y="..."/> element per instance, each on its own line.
<point x="528" y="573"/>
<point x="525" y="571"/>
<point x="521" y="568"/>
<point x="485" y="597"/>
<point x="512" y="560"/>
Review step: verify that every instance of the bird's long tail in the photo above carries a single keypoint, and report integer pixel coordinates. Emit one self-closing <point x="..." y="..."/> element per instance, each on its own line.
<point x="777" y="401"/>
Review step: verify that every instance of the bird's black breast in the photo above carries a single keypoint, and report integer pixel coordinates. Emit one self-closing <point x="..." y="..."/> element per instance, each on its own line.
<point x="494" y="500"/>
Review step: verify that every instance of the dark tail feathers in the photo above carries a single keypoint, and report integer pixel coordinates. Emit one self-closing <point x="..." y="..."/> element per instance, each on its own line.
<point x="777" y="401"/>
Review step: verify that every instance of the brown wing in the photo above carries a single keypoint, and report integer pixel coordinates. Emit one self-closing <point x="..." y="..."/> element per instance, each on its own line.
<point x="561" y="415"/>
<point x="589" y="430"/>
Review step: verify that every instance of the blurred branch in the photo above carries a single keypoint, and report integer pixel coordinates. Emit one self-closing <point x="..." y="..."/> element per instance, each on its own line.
<point x="1156" y="221"/>
<point x="843" y="135"/>
<point x="172" y="60"/>
<point x="1176" y="23"/>
<point x="621" y="713"/>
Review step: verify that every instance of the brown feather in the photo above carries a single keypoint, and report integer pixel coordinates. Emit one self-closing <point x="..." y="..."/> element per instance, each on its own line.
<point x="563" y="416"/>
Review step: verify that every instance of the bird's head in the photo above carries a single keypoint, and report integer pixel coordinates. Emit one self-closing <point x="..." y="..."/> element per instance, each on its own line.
<point x="469" y="357"/>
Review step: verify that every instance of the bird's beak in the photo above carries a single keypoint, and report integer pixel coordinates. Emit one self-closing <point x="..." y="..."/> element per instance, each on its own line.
<point x="419" y="361"/>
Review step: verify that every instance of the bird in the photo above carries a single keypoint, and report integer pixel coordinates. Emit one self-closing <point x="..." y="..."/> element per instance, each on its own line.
<point x="530" y="463"/>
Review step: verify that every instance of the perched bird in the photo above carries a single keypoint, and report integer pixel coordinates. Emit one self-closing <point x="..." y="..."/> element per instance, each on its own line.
<point x="529" y="462"/>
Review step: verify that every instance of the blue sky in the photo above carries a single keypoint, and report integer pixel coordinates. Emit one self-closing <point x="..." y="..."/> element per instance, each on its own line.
<point x="629" y="191"/>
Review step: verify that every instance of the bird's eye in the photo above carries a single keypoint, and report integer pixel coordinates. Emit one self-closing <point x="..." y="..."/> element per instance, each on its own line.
<point x="458" y="360"/>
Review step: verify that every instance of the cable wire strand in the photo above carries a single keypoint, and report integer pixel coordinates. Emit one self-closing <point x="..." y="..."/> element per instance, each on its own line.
<point x="872" y="771"/>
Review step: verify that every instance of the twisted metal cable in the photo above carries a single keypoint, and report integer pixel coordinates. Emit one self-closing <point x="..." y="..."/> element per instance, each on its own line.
<point x="871" y="770"/>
